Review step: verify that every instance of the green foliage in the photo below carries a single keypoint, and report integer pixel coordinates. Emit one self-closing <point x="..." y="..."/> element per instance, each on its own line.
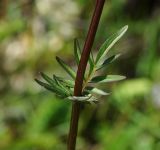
<point x="34" y="119"/>
<point x="66" y="67"/>
<point x="55" y="85"/>
<point x="95" y="91"/>
<point x="108" y="61"/>
<point x="109" y="43"/>
<point x="77" y="51"/>
<point x="108" y="78"/>
<point x="61" y="87"/>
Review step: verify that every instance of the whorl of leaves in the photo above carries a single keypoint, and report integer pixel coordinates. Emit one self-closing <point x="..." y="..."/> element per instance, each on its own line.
<point x="64" y="87"/>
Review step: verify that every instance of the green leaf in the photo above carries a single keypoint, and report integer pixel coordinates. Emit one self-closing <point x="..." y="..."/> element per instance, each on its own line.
<point x="77" y="54"/>
<point x="91" y="64"/>
<point x="62" y="86"/>
<point x="77" y="51"/>
<point x="108" y="44"/>
<point x="55" y="83"/>
<point x="67" y="68"/>
<point x="108" y="78"/>
<point x="47" y="78"/>
<point x="91" y="59"/>
<point x="96" y="90"/>
<point x="108" y="61"/>
<point x="66" y="82"/>
<point x="51" y="88"/>
<point x="47" y="86"/>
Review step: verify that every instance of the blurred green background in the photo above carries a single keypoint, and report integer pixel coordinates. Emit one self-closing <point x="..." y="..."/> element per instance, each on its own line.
<point x="33" y="32"/>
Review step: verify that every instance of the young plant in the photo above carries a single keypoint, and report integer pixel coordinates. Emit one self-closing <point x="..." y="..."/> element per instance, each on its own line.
<point x="63" y="88"/>
<point x="82" y="87"/>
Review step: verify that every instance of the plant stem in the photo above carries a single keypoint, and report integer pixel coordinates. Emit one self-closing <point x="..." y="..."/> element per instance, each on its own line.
<point x="81" y="71"/>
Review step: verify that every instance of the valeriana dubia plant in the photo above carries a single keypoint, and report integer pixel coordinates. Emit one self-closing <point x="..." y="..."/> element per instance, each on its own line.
<point x="82" y="87"/>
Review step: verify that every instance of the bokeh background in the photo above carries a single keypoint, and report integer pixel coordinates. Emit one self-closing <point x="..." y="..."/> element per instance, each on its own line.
<point x="33" y="32"/>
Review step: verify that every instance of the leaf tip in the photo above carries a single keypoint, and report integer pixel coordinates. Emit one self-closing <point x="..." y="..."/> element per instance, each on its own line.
<point x="123" y="77"/>
<point x="57" y="58"/>
<point x="125" y="28"/>
<point x="36" y="80"/>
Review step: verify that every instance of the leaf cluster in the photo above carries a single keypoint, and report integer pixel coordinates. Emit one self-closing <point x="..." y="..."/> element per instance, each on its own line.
<point x="64" y="87"/>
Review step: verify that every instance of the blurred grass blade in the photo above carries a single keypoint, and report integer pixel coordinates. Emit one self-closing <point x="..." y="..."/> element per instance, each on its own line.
<point x="108" y="78"/>
<point x="67" y="68"/>
<point x="108" y="44"/>
<point x="108" y="61"/>
<point x="96" y="91"/>
<point x="77" y="51"/>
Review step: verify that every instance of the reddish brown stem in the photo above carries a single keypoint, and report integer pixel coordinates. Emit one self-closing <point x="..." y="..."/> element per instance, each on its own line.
<point x="81" y="71"/>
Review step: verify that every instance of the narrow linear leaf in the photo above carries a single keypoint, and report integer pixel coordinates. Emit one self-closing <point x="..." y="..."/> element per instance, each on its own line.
<point x="45" y="85"/>
<point x="91" y="59"/>
<point x="77" y="51"/>
<point x="51" y="88"/>
<point x="108" y="61"/>
<point x="96" y="91"/>
<point x="91" y="55"/>
<point x="67" y="68"/>
<point x="91" y="63"/>
<point x="56" y="80"/>
<point x="47" y="78"/>
<point x="108" y="44"/>
<point x="108" y="78"/>
<point x="66" y="82"/>
<point x="55" y="83"/>
<point x="62" y="86"/>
